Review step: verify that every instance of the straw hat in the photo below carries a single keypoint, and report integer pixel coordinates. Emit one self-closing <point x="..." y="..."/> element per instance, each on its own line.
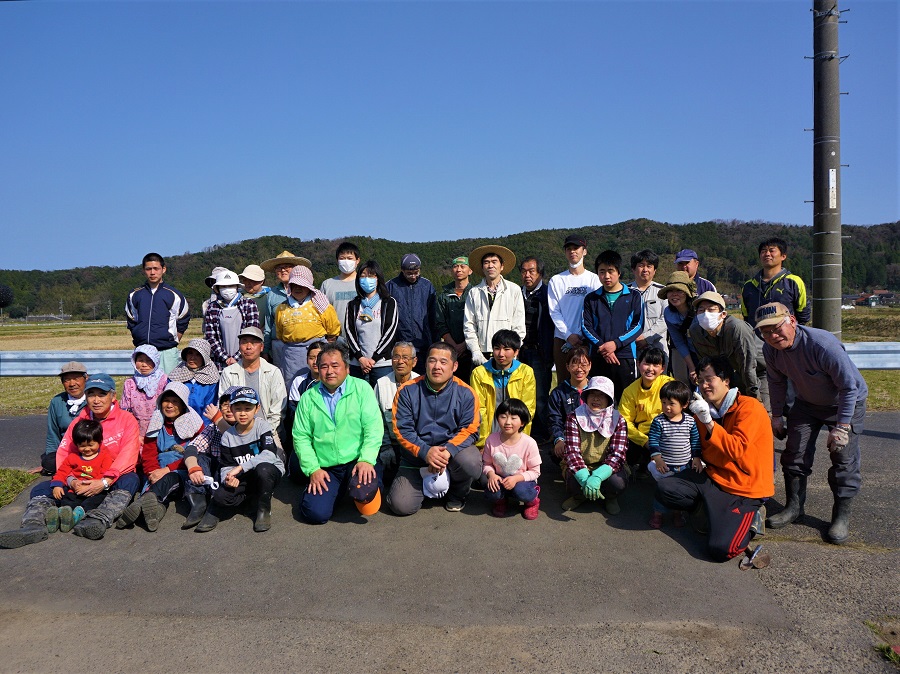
<point x="679" y="280"/>
<point x="504" y="253"/>
<point x="285" y="258"/>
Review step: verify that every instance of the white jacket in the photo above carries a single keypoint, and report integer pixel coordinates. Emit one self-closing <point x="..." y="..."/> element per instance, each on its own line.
<point x="272" y="394"/>
<point x="482" y="321"/>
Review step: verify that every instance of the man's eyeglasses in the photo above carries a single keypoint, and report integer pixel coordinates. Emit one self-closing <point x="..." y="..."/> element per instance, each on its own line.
<point x="771" y="329"/>
<point x="405" y="359"/>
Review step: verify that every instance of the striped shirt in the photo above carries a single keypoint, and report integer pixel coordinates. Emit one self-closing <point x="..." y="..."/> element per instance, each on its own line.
<point x="676" y="442"/>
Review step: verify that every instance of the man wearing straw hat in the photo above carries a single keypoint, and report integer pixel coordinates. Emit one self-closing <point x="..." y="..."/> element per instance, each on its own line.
<point x="281" y="265"/>
<point x="494" y="304"/>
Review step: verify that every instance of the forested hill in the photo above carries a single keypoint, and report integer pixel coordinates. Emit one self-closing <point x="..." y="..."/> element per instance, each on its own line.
<point x="727" y="251"/>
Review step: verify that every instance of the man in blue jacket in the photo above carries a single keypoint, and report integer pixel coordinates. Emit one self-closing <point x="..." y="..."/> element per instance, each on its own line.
<point x="415" y="304"/>
<point x="157" y="313"/>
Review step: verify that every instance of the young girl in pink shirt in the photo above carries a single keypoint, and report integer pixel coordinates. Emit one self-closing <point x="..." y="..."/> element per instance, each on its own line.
<point x="512" y="463"/>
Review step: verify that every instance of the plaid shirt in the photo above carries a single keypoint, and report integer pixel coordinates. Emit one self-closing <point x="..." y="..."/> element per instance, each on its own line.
<point x="615" y="453"/>
<point x="213" y="332"/>
<point x="208" y="441"/>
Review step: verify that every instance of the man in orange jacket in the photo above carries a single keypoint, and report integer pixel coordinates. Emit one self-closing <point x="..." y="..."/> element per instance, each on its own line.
<point x="737" y="448"/>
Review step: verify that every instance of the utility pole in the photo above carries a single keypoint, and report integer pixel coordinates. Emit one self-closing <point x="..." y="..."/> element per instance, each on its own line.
<point x="827" y="250"/>
<point x="109" y="308"/>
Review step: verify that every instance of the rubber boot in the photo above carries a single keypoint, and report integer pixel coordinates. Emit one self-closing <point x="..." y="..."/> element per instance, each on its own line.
<point x="154" y="510"/>
<point x="263" y="513"/>
<point x="198" y="509"/>
<point x="131" y="513"/>
<point x="209" y="521"/>
<point x="795" y="489"/>
<point x="34" y="525"/>
<point x="839" y="531"/>
<point x="51" y="519"/>
<point x="94" y="525"/>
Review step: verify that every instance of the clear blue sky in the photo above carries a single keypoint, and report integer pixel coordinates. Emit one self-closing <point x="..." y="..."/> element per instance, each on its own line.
<point x="172" y="126"/>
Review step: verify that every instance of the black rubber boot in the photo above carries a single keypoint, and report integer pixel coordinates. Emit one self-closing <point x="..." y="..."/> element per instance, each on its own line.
<point x="263" y="513"/>
<point x="131" y="513"/>
<point x="198" y="509"/>
<point x="154" y="510"/>
<point x="34" y="525"/>
<point x="209" y="521"/>
<point x="839" y="531"/>
<point x="795" y="489"/>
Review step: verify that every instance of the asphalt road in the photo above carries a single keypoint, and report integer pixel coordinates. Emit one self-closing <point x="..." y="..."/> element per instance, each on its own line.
<point x="463" y="591"/>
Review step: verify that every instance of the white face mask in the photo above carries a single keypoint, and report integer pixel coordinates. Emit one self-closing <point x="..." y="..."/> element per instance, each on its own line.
<point x="708" y="320"/>
<point x="576" y="265"/>
<point x="228" y="293"/>
<point x="347" y="266"/>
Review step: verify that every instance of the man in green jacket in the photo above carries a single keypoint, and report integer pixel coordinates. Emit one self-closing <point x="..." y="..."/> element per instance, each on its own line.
<point x="337" y="435"/>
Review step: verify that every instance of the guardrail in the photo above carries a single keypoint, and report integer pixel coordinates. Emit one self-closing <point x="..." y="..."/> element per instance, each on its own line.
<point x="865" y="355"/>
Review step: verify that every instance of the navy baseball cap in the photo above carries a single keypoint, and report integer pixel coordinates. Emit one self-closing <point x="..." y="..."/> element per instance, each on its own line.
<point x="244" y="394"/>
<point x="101" y="381"/>
<point x="686" y="255"/>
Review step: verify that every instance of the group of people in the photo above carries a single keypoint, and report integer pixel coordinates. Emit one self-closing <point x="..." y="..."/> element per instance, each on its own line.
<point x="322" y="385"/>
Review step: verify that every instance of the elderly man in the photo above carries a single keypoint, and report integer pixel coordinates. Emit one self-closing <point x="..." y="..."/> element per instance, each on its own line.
<point x="403" y="360"/>
<point x="121" y="439"/>
<point x="715" y="333"/>
<point x="494" y="304"/>
<point x="830" y="392"/>
<point x="415" y="304"/>
<point x="737" y="448"/>
<point x="281" y="265"/>
<point x="450" y="314"/>
<point x="436" y="423"/>
<point x="688" y="261"/>
<point x="256" y="372"/>
<point x="63" y="409"/>
<point x="337" y="435"/>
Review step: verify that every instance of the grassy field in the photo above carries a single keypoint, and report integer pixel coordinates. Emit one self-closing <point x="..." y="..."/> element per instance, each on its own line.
<point x="12" y="482"/>
<point x="31" y="395"/>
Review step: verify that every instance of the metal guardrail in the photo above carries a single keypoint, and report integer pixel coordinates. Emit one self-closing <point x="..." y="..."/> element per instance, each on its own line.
<point x="865" y="355"/>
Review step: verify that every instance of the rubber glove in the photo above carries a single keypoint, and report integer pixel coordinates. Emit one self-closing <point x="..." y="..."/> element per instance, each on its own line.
<point x="838" y="438"/>
<point x="603" y="472"/>
<point x="590" y="492"/>
<point x="700" y="408"/>
<point x="778" y="429"/>
<point x="582" y="476"/>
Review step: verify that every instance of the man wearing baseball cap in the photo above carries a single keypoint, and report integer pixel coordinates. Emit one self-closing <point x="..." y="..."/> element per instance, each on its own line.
<point x="688" y="260"/>
<point x="565" y="299"/>
<point x="63" y="409"/>
<point x="415" y="304"/>
<point x="831" y="393"/>
<point x="450" y="313"/>
<point x="254" y="288"/>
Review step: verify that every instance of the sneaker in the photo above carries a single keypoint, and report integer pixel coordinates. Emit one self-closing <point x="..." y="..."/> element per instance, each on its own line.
<point x="90" y="528"/>
<point x="532" y="508"/>
<point x="656" y="520"/>
<point x="499" y="509"/>
<point x="612" y="505"/>
<point x="573" y="502"/>
<point x="51" y="519"/>
<point x="678" y="519"/>
<point x="66" y="519"/>
<point x="454" y="505"/>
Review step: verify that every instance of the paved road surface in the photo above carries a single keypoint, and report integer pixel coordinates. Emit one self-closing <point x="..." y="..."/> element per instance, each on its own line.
<point x="569" y="592"/>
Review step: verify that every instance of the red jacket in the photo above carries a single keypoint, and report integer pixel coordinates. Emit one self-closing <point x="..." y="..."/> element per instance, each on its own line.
<point x="739" y="452"/>
<point x="121" y="439"/>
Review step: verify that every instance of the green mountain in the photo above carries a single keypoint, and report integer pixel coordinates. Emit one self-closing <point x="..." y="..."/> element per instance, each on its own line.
<point x="727" y="250"/>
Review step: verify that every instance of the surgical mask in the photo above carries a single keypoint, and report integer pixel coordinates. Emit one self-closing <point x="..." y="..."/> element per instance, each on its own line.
<point x="709" y="320"/>
<point x="576" y="265"/>
<point x="228" y="293"/>
<point x="347" y="266"/>
<point x="368" y="284"/>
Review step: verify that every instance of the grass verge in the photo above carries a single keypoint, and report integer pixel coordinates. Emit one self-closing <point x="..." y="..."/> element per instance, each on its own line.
<point x="887" y="629"/>
<point x="12" y="482"/>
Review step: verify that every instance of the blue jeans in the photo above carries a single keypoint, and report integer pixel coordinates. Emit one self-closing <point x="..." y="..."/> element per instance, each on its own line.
<point x="542" y="364"/>
<point x="524" y="491"/>
<point x="318" y="508"/>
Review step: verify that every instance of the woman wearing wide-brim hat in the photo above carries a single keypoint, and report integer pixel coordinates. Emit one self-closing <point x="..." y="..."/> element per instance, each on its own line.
<point x="680" y="291"/>
<point x="281" y="266"/>
<point x="494" y="304"/>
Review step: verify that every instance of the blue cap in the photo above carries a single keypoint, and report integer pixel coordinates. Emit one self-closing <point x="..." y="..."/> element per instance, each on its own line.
<point x="244" y="394"/>
<point x="686" y="255"/>
<point x="101" y="381"/>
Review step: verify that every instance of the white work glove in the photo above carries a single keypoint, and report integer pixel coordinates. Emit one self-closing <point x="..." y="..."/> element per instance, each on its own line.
<point x="838" y="438"/>
<point x="478" y="358"/>
<point x="700" y="408"/>
<point x="778" y="429"/>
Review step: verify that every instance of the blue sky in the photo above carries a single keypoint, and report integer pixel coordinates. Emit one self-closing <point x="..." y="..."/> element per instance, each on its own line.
<point x="173" y="126"/>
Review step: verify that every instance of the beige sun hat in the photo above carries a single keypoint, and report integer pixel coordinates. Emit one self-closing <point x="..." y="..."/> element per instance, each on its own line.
<point x="285" y="257"/>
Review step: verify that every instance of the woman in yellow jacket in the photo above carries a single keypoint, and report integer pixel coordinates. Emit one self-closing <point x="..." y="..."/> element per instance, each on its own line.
<point x="306" y="317"/>
<point x="501" y="378"/>
<point x="640" y="404"/>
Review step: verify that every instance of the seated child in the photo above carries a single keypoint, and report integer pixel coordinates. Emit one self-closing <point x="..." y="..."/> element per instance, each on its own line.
<point x="197" y="371"/>
<point x="596" y="441"/>
<point x="501" y="378"/>
<point x="512" y="462"/>
<point x="250" y="464"/>
<point x="640" y="404"/>
<point x="567" y="396"/>
<point x="201" y="459"/>
<point x="674" y="443"/>
<point x="172" y="426"/>
<point x="140" y="391"/>
<point x="88" y="462"/>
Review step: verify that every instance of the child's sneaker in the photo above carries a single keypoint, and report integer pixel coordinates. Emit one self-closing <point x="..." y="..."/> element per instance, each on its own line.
<point x="656" y="520"/>
<point x="499" y="509"/>
<point x="678" y="519"/>
<point x="51" y="519"/>
<point x="66" y="519"/>
<point x="531" y="510"/>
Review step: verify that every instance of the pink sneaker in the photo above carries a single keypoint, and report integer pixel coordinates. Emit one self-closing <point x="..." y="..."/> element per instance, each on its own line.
<point x="656" y="520"/>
